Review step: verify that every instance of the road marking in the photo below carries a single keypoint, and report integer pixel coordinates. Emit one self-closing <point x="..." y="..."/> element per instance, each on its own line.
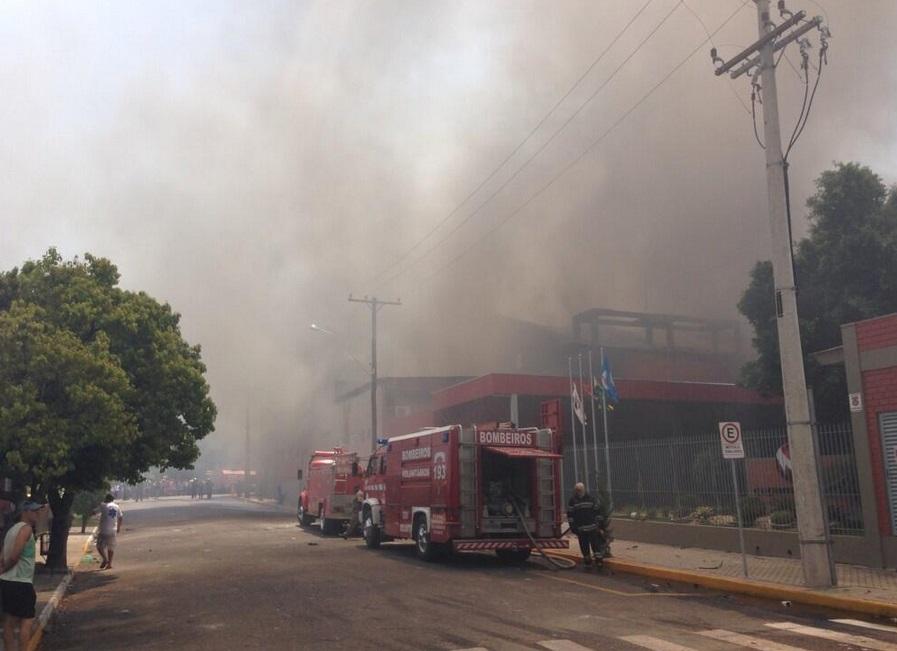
<point x="562" y="645"/>
<point x="861" y="623"/>
<point x="654" y="643"/>
<point x="474" y="648"/>
<point x="748" y="641"/>
<point x="836" y="636"/>
<point x="619" y="593"/>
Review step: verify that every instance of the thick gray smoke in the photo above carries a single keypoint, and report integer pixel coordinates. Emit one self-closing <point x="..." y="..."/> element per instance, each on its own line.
<point x="254" y="163"/>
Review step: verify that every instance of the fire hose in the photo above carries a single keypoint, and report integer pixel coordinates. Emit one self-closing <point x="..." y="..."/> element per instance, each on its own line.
<point x="565" y="564"/>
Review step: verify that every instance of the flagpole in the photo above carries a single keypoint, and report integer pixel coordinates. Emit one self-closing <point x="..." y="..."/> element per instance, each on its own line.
<point x="610" y="492"/>
<point x="594" y="420"/>
<point x="573" y="422"/>
<point x="585" y="442"/>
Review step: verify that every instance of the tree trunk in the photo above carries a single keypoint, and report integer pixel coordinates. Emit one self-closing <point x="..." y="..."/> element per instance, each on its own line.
<point x="61" y="505"/>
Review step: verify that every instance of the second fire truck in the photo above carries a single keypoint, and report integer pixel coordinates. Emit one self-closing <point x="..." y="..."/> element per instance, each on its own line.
<point x="331" y="481"/>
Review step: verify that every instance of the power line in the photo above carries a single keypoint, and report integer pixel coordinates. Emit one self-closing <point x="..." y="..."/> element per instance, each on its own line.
<point x="520" y="145"/>
<point x="545" y="144"/>
<point x="707" y="31"/>
<point x="510" y="215"/>
<point x="806" y="116"/>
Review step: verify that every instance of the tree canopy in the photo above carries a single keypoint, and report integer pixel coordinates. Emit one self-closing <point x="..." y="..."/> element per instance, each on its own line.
<point x="846" y="270"/>
<point x="96" y="382"/>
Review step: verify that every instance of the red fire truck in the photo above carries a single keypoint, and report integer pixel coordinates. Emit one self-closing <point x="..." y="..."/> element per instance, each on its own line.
<point x="333" y="477"/>
<point x="466" y="489"/>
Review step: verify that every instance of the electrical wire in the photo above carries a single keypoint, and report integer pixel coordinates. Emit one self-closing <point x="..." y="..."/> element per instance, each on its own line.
<point x="798" y="133"/>
<point x="595" y="142"/>
<point x="544" y="145"/>
<point x="520" y="145"/>
<point x="754" y="118"/>
<point x="707" y="32"/>
<point x="803" y="108"/>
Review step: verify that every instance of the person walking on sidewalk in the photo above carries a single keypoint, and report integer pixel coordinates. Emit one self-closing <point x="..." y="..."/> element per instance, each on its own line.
<point x="110" y="524"/>
<point x="582" y="514"/>
<point x="17" y="577"/>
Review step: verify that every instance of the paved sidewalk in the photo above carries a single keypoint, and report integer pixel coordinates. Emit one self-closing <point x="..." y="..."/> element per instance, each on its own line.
<point x="864" y="582"/>
<point x="860" y="589"/>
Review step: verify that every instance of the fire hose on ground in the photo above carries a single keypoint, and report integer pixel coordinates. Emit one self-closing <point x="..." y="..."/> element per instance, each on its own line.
<point x="564" y="564"/>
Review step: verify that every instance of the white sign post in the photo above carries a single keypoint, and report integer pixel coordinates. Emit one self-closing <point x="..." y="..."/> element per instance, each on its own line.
<point x="733" y="448"/>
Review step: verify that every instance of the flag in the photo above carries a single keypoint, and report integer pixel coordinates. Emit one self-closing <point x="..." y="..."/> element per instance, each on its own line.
<point x="607" y="383"/>
<point x="577" y="404"/>
<point x="598" y="390"/>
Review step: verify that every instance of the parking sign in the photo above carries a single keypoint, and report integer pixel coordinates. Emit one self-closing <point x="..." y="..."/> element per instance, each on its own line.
<point x="730" y="440"/>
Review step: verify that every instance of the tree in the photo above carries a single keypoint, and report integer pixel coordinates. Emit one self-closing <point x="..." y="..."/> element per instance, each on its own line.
<point x="96" y="383"/>
<point x="846" y="271"/>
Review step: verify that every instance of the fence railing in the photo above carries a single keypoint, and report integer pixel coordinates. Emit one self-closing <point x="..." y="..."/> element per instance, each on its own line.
<point x="686" y="480"/>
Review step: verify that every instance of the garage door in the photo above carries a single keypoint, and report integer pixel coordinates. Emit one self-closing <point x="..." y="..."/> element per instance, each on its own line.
<point x="889" y="448"/>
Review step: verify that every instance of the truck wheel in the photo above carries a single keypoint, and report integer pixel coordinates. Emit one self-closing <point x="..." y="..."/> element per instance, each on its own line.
<point x="513" y="555"/>
<point x="371" y="532"/>
<point x="329" y="526"/>
<point x="304" y="518"/>
<point x="426" y="550"/>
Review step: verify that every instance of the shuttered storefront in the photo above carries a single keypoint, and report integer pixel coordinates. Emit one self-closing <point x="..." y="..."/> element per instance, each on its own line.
<point x="889" y="449"/>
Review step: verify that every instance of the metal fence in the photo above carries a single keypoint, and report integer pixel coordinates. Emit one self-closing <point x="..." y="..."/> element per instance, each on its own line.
<point x="686" y="479"/>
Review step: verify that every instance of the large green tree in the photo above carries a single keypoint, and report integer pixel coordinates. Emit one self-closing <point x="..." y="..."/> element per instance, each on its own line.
<point x="96" y="384"/>
<point x="846" y="270"/>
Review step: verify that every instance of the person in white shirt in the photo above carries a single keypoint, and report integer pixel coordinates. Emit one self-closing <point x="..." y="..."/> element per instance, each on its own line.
<point x="110" y="524"/>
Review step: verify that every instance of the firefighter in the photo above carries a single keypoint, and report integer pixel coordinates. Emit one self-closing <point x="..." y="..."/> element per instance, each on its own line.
<point x="353" y="528"/>
<point x="582" y="514"/>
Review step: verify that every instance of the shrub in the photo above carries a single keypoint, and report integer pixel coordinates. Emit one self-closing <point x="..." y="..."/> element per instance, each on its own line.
<point x="752" y="507"/>
<point x="783" y="518"/>
<point x="702" y="514"/>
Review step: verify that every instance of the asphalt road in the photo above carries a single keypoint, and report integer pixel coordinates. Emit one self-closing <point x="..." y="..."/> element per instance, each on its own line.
<point x="228" y="574"/>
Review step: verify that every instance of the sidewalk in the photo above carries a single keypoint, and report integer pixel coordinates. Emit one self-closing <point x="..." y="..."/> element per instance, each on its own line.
<point x="862" y="589"/>
<point x="51" y="586"/>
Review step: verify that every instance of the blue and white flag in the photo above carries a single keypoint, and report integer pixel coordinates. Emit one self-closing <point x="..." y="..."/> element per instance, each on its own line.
<point x="607" y="383"/>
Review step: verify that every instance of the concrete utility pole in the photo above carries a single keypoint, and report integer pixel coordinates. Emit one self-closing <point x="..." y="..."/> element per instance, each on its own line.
<point x="815" y="544"/>
<point x="247" y="473"/>
<point x="375" y="304"/>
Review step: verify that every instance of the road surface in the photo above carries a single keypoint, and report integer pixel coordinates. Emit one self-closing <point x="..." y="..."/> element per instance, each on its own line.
<point x="227" y="574"/>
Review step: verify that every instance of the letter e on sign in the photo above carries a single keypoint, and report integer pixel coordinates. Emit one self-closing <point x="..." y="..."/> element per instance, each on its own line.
<point x="730" y="439"/>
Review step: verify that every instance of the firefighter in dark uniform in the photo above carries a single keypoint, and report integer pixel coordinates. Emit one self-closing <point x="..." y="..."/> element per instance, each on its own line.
<point x="582" y="514"/>
<point x="353" y="527"/>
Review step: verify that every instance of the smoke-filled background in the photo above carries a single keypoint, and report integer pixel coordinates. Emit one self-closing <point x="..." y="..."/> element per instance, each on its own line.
<point x="253" y="163"/>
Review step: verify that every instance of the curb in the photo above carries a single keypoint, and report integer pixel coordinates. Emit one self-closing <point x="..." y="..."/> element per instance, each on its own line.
<point x="752" y="588"/>
<point x="46" y="613"/>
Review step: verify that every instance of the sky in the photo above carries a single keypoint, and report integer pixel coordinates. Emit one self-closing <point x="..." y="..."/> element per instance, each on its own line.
<point x="254" y="163"/>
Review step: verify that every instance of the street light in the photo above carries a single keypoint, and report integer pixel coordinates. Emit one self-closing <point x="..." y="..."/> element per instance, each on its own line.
<point x="327" y="331"/>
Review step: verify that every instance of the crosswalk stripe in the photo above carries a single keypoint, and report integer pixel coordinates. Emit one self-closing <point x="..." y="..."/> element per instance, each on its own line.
<point x="562" y="645"/>
<point x="748" y="641"/>
<point x="862" y="624"/>
<point x="835" y="636"/>
<point x="653" y="643"/>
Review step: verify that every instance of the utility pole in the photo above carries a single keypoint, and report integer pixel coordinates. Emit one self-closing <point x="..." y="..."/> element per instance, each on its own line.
<point x="375" y="304"/>
<point x="247" y="473"/>
<point x="813" y="534"/>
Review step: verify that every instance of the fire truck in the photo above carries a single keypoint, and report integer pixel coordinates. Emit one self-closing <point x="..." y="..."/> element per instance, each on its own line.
<point x="332" y="479"/>
<point x="466" y="489"/>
